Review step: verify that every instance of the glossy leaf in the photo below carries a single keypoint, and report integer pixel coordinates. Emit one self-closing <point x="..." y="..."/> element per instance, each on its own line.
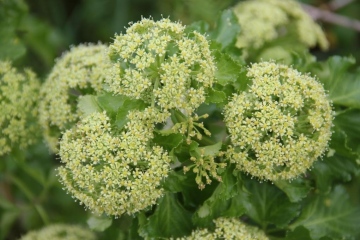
<point x="170" y="219"/>
<point x="331" y="169"/>
<point x="299" y="233"/>
<point x="168" y="141"/>
<point x="227" y="29"/>
<point x="226" y="201"/>
<point x="269" y="205"/>
<point x="111" y="103"/>
<point x="343" y="86"/>
<point x="347" y="124"/>
<point x="295" y="189"/>
<point x="174" y="181"/>
<point x="88" y="104"/>
<point x="214" y="96"/>
<point x="99" y="223"/>
<point x="227" y="70"/>
<point x="199" y="26"/>
<point x="330" y="215"/>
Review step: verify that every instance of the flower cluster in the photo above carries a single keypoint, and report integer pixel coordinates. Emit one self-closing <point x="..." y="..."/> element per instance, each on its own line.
<point x="162" y="64"/>
<point x="80" y="71"/>
<point x="281" y="125"/>
<point x="265" y="20"/>
<point x="229" y="229"/>
<point x="110" y="174"/>
<point x="18" y="103"/>
<point x="60" y="232"/>
<point x="205" y="165"/>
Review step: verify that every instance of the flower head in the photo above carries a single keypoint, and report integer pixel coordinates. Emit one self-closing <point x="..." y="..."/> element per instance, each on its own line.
<point x="78" y="72"/>
<point x="114" y="175"/>
<point x="60" y="232"/>
<point x="265" y="20"/>
<point x="162" y="64"/>
<point x="229" y="229"/>
<point x="281" y="125"/>
<point x="18" y="102"/>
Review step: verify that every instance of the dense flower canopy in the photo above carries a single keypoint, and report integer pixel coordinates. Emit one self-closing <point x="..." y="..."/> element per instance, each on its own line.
<point x="162" y="64"/>
<point x="60" y="232"/>
<point x="80" y="71"/>
<point x="110" y="174"/>
<point x="228" y="229"/>
<point x="265" y="20"/>
<point x="281" y="125"/>
<point x="18" y="104"/>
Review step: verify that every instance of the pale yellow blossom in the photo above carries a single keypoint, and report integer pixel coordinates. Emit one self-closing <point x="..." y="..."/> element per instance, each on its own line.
<point x="18" y="103"/>
<point x="110" y="174"/>
<point x="159" y="62"/>
<point x="228" y="229"/>
<point x="80" y="71"/>
<point x="281" y="125"/>
<point x="60" y="232"/>
<point x="265" y="20"/>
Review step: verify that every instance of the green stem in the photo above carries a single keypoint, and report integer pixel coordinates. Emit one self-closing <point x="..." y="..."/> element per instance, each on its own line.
<point x="30" y="197"/>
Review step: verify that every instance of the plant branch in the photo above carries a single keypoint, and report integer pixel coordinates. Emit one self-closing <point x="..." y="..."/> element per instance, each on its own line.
<point x="330" y="17"/>
<point x="337" y="4"/>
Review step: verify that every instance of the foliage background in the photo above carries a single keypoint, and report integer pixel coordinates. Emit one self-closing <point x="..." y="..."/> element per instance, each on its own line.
<point x="35" y="32"/>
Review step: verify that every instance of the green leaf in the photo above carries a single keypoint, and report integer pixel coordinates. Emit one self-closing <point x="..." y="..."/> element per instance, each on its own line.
<point x="347" y="124"/>
<point x="211" y="150"/>
<point x="87" y="105"/>
<point x="168" y="141"/>
<point x="7" y="219"/>
<point x="227" y="29"/>
<point x="111" y="103"/>
<point x="299" y="233"/>
<point x="170" y="219"/>
<point x="123" y="110"/>
<point x="11" y="47"/>
<point x="174" y="181"/>
<point x="296" y="190"/>
<point x="11" y="13"/>
<point x="226" y="201"/>
<point x="333" y="168"/>
<point x="189" y="187"/>
<point x="227" y="70"/>
<point x="6" y="204"/>
<point x="214" y="96"/>
<point x="343" y="86"/>
<point x="342" y="160"/>
<point x="330" y="215"/>
<point x="99" y="224"/>
<point x="235" y="54"/>
<point x="269" y="205"/>
<point x="199" y="26"/>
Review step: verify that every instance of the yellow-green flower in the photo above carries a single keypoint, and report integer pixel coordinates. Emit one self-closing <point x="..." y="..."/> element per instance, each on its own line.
<point x="281" y="125"/>
<point x="162" y="64"/>
<point x="80" y="71"/>
<point x="60" y="232"/>
<point x="110" y="174"/>
<point x="18" y="103"/>
<point x="228" y="229"/>
<point x="265" y="20"/>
